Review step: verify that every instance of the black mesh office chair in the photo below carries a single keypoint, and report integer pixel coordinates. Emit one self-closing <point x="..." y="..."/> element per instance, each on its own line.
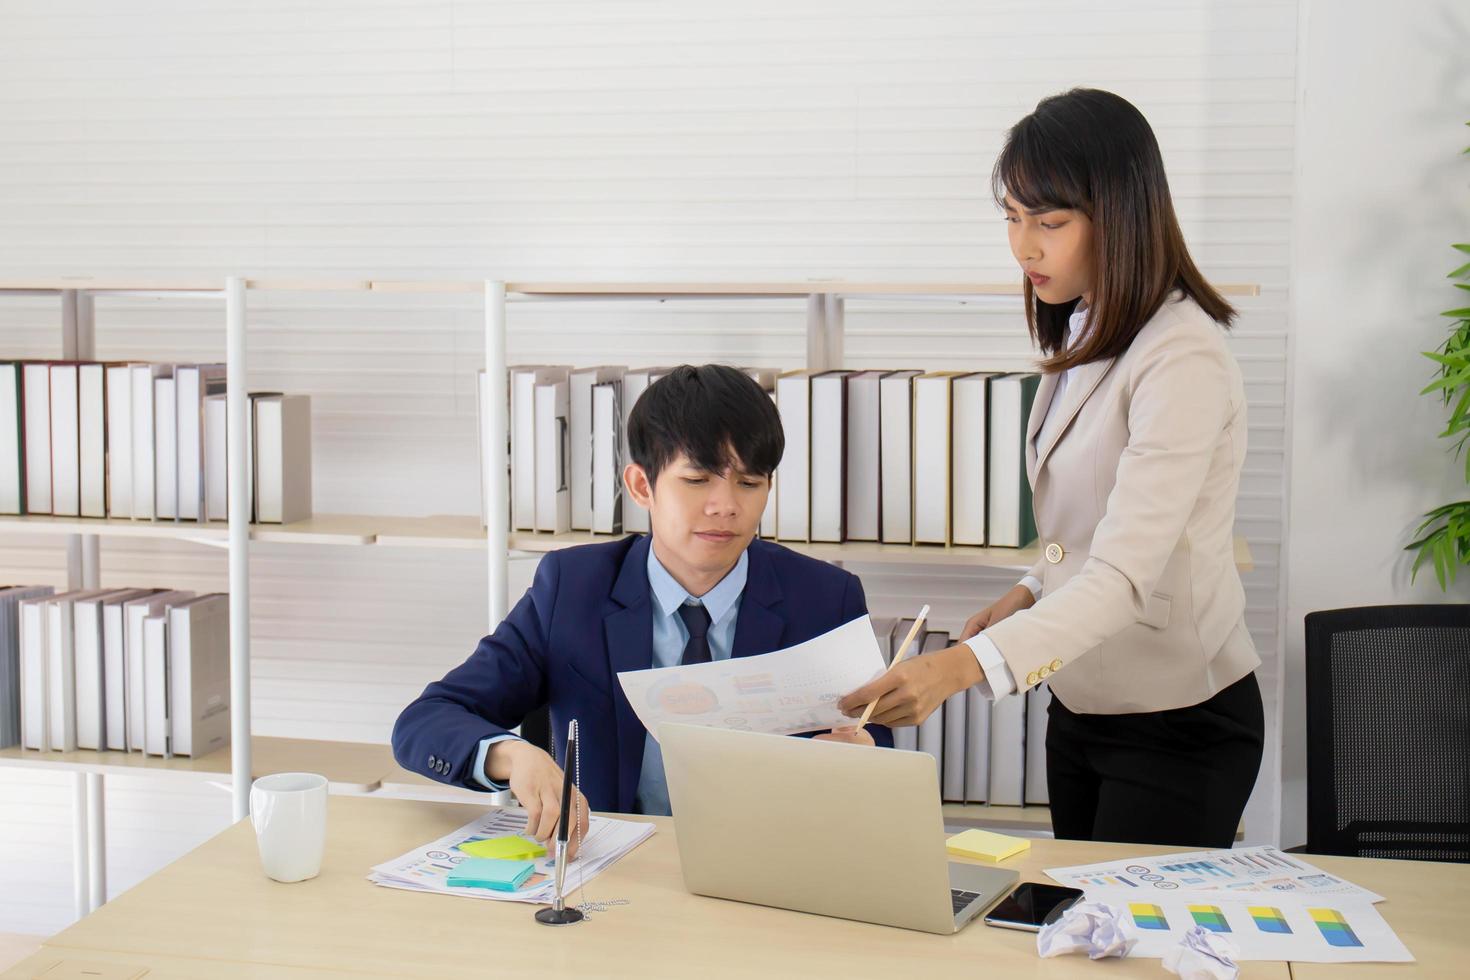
<point x="1388" y="732"/>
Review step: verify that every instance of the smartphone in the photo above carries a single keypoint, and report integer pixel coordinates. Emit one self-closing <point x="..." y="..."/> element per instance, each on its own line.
<point x="1031" y="906"/>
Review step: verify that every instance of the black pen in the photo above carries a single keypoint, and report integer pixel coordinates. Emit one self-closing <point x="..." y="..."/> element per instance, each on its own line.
<point x="558" y="914"/>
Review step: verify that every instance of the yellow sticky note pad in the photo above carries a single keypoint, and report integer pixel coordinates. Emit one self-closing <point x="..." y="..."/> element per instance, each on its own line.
<point x="514" y="848"/>
<point x="984" y="845"/>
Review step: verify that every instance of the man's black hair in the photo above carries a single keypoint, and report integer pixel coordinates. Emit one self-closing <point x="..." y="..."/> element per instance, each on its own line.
<point x="717" y="416"/>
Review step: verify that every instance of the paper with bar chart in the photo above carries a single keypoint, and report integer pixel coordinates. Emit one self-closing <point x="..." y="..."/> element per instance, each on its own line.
<point x="1245" y="869"/>
<point x="791" y="690"/>
<point x="1268" y="927"/>
<point x="427" y="868"/>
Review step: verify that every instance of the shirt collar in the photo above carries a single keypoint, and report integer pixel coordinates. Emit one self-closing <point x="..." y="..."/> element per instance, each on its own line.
<point x="1075" y="324"/>
<point x="719" y="602"/>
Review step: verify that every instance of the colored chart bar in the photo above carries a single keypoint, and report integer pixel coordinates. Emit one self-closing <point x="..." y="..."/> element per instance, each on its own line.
<point x="1147" y="916"/>
<point x="1270" y="920"/>
<point x="1334" y="928"/>
<point x="1210" y="917"/>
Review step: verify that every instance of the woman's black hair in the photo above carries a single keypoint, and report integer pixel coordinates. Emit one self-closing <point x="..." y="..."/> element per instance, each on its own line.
<point x="1092" y="151"/>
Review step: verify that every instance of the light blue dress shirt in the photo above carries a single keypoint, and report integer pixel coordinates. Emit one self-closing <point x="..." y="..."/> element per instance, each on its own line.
<point x="669" y="637"/>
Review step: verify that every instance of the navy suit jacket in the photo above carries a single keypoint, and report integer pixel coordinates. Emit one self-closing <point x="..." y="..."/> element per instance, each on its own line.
<point x="587" y="616"/>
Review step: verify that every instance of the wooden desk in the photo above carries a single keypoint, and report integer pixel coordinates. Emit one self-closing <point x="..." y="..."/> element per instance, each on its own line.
<point x="95" y="964"/>
<point x="1424" y="900"/>
<point x="215" y="904"/>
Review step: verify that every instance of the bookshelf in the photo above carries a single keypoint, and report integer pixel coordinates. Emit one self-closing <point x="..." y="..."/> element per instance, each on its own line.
<point x="370" y="769"/>
<point x="350" y="767"/>
<point x="464" y="532"/>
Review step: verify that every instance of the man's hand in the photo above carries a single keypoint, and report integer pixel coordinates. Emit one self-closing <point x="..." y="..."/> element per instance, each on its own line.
<point x="852" y="736"/>
<point x="911" y="691"/>
<point x="536" y="779"/>
<point x="1009" y="604"/>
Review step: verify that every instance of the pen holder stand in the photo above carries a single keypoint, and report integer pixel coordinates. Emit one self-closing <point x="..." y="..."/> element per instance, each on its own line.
<point x="553" y="916"/>
<point x="558" y="914"/>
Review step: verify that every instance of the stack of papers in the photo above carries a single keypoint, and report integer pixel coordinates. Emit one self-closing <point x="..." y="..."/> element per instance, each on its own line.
<point x="427" y="868"/>
<point x="1270" y="905"/>
<point x="1245" y="869"/>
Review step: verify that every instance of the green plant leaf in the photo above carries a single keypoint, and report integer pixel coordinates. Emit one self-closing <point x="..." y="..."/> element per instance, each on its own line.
<point x="1463" y="313"/>
<point x="1414" y="572"/>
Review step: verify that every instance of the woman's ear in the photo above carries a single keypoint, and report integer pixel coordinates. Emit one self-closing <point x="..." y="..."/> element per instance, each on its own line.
<point x="636" y="480"/>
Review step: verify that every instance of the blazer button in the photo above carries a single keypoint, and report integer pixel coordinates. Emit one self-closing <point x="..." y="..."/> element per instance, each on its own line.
<point x="1043" y="672"/>
<point x="1032" y="679"/>
<point x="433" y="762"/>
<point x="1054" y="553"/>
<point x="1056" y="665"/>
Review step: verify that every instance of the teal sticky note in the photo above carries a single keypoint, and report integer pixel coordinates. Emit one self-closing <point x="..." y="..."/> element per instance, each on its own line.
<point x="493" y="873"/>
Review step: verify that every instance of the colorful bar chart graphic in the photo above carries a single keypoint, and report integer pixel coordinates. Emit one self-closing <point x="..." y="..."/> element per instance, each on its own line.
<point x="1210" y="917"/>
<point x="1208" y="869"/>
<point x="1108" y="880"/>
<point x="1334" y="928"/>
<point x="1147" y="916"/>
<point x="1270" y="920"/>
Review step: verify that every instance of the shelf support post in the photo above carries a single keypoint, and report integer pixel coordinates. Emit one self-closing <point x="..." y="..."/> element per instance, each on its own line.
<point x="236" y="405"/>
<point x="495" y="437"/>
<point x="81" y="877"/>
<point x="96" y="840"/>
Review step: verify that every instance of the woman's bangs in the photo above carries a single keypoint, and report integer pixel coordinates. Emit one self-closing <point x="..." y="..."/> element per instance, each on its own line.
<point x="1035" y="174"/>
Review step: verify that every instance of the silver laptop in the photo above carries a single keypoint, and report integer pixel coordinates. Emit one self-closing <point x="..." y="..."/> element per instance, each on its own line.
<point x="841" y="830"/>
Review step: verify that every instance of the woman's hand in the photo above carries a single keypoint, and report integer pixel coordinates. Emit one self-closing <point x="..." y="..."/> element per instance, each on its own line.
<point x="910" y="691"/>
<point x="1012" y="602"/>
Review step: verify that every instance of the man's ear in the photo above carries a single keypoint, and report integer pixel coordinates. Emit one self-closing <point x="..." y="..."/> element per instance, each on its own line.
<point x="636" y="480"/>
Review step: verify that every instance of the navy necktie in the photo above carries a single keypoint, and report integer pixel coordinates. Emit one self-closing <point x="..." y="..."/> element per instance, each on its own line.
<point x="696" y="651"/>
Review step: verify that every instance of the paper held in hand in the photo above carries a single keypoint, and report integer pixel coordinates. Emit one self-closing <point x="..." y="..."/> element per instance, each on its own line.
<point x="781" y="693"/>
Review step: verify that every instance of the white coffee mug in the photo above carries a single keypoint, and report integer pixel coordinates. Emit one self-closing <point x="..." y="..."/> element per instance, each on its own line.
<point x="289" y="811"/>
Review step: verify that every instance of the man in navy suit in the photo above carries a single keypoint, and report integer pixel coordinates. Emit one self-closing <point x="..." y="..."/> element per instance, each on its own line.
<point x="704" y="443"/>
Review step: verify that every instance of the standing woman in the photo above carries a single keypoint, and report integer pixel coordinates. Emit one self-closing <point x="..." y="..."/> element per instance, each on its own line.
<point x="1135" y="613"/>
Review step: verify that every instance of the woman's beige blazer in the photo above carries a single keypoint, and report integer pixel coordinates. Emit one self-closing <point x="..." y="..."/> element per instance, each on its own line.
<point x="1141" y="606"/>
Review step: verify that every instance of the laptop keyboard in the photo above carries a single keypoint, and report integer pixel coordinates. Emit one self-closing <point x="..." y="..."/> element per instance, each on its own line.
<point x="960" y="899"/>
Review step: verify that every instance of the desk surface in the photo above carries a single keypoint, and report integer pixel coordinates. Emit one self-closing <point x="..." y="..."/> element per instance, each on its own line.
<point x="215" y="904"/>
<point x="57" y="963"/>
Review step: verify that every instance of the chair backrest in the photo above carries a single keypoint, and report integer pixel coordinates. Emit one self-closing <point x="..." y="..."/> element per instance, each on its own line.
<point x="1388" y="732"/>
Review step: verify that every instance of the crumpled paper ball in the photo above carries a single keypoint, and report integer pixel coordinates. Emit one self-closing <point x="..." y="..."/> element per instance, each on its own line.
<point x="1094" y="928"/>
<point x="1203" y="955"/>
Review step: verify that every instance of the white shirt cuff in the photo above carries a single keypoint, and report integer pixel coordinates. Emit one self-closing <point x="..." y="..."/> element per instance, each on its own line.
<point x="999" y="681"/>
<point x="479" y="771"/>
<point x="1034" y="584"/>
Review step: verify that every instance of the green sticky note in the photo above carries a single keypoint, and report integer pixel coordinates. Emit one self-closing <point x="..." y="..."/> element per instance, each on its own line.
<point x="502" y="876"/>
<point x="514" y="848"/>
